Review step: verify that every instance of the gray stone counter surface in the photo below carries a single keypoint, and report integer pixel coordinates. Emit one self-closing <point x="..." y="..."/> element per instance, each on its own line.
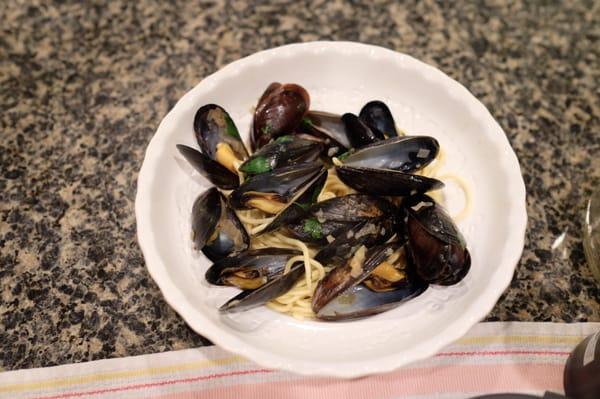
<point x="84" y="85"/>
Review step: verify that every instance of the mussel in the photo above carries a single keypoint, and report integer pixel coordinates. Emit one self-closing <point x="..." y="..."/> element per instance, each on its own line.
<point x="252" y="298"/>
<point x="298" y="207"/>
<point x="437" y="246"/>
<point x="216" y="229"/>
<point x="284" y="151"/>
<point x="359" y="133"/>
<point x="326" y="219"/>
<point x="378" y="117"/>
<point x="272" y="191"/>
<point x="250" y="269"/>
<point x="384" y="167"/>
<point x="218" y="136"/>
<point x="216" y="173"/>
<point x="405" y="154"/>
<point x="386" y="181"/>
<point x="387" y="264"/>
<point x="279" y="111"/>
<point x="329" y="128"/>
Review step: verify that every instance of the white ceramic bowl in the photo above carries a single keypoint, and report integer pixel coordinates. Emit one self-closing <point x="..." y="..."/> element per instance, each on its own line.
<point x="340" y="77"/>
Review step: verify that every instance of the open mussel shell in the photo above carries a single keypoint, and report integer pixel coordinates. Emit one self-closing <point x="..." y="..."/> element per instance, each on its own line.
<point x="378" y="117"/>
<point x="299" y="206"/>
<point x="359" y="301"/>
<point x="216" y="229"/>
<point x="437" y="247"/>
<point x="359" y="134"/>
<point x="386" y="182"/>
<point x="279" y="111"/>
<point x="358" y="267"/>
<point x="328" y="127"/>
<point x="216" y="173"/>
<point x="283" y="151"/>
<point x="406" y="154"/>
<point x="272" y="191"/>
<point x="218" y="136"/>
<point x="250" y="269"/>
<point x="325" y="220"/>
<point x="249" y="299"/>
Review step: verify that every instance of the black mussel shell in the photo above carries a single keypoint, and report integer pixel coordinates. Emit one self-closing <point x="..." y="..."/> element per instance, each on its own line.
<point x="359" y="134"/>
<point x="298" y="207"/>
<point x="216" y="173"/>
<point x="328" y="127"/>
<point x="386" y="182"/>
<point x="252" y="298"/>
<point x="358" y="267"/>
<point x="378" y="117"/>
<point x="279" y="111"/>
<point x="437" y="247"/>
<point x="325" y="220"/>
<point x="213" y="128"/>
<point x="367" y="233"/>
<point x="206" y="213"/>
<point x="406" y="154"/>
<point x="359" y="301"/>
<point x="279" y="186"/>
<point x="283" y="151"/>
<point x="216" y="229"/>
<point x="250" y="269"/>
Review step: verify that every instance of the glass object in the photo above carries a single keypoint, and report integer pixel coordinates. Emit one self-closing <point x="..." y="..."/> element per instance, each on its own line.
<point x="591" y="234"/>
<point x="582" y="372"/>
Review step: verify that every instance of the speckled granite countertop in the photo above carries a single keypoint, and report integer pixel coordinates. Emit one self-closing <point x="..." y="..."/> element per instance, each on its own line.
<point x="83" y="88"/>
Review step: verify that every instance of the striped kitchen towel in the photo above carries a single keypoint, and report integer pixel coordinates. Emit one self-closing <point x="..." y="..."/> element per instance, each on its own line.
<point x="493" y="357"/>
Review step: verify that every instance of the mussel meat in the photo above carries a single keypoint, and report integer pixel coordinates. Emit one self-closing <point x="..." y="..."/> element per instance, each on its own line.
<point x="216" y="229"/>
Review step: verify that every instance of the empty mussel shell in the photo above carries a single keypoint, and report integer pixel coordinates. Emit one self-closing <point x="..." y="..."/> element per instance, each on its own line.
<point x="386" y="182"/>
<point x="406" y="154"/>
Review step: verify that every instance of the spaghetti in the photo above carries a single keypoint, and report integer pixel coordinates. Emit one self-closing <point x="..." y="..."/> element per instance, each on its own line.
<point x="297" y="301"/>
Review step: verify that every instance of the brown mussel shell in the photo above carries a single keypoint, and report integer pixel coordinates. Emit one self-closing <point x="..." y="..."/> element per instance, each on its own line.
<point x="279" y="111"/>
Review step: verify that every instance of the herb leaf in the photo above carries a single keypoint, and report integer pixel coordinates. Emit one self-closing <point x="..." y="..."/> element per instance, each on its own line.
<point x="256" y="165"/>
<point x="313" y="227"/>
<point x="231" y="129"/>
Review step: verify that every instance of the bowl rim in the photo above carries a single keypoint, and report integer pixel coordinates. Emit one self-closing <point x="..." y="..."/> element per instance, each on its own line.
<point x="203" y="325"/>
